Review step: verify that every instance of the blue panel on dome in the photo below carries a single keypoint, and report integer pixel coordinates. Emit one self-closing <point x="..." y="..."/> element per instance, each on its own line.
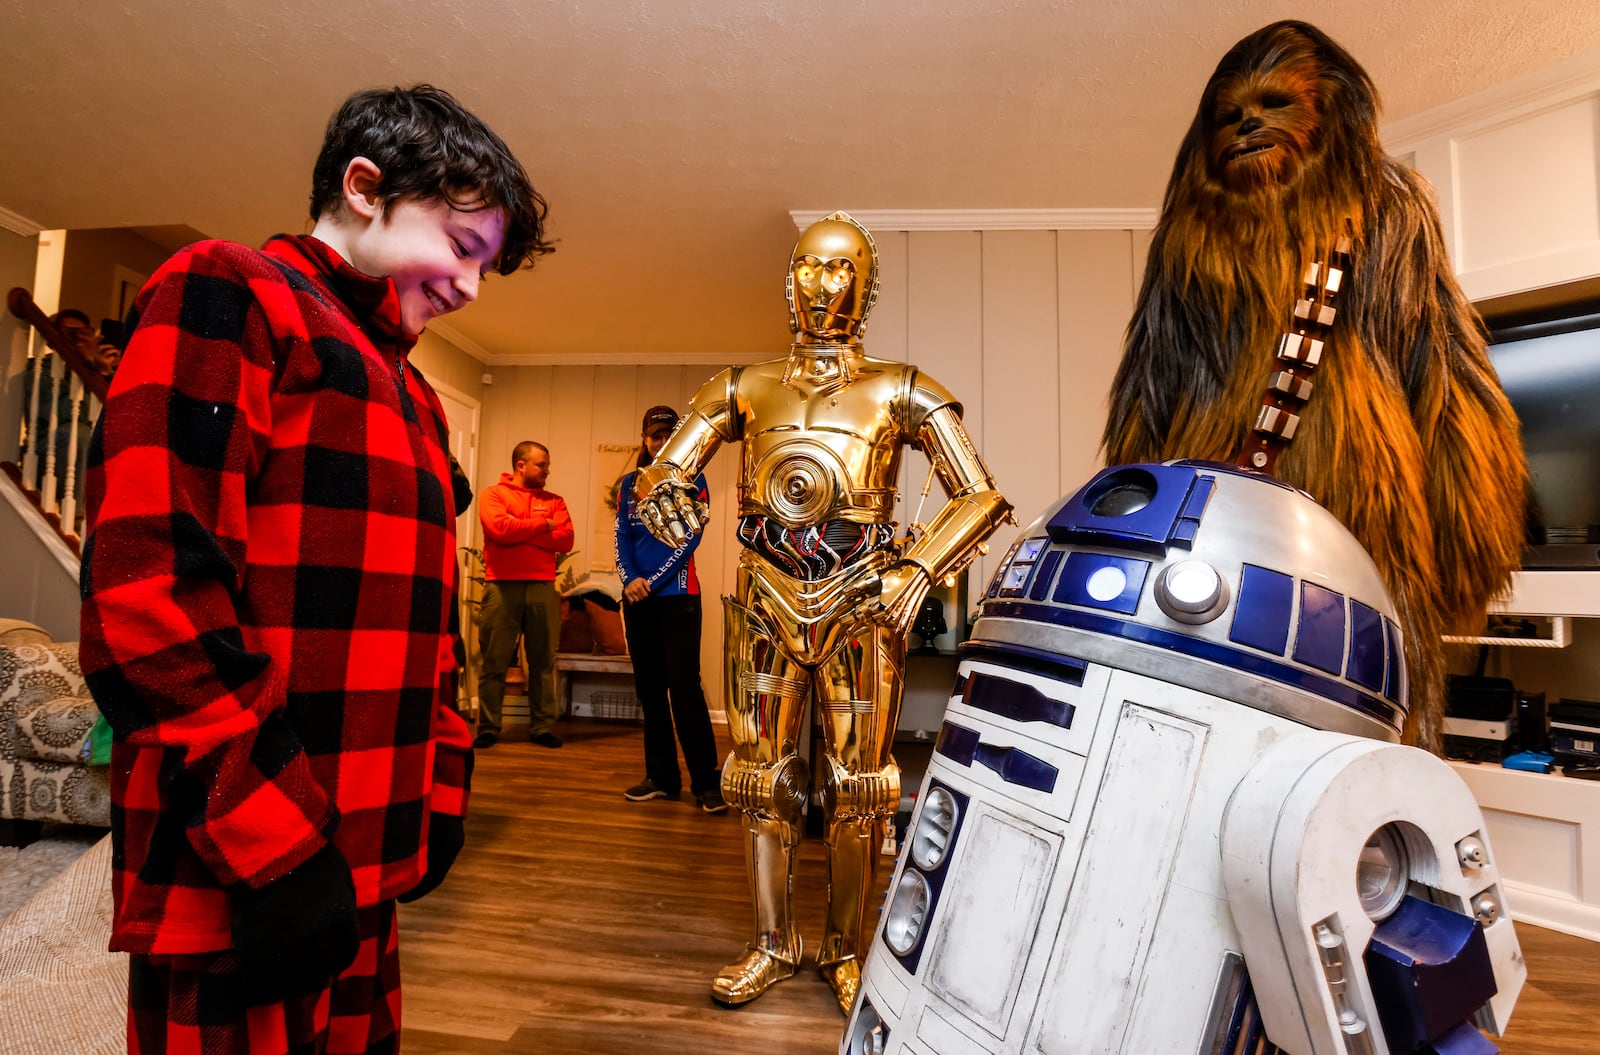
<point x="1320" y="640"/>
<point x="1098" y="580"/>
<point x="1142" y="507"/>
<point x="1394" y="680"/>
<point x="1334" y="689"/>
<point x="1368" y="647"/>
<point x="1043" y="574"/>
<point x="1261" y="616"/>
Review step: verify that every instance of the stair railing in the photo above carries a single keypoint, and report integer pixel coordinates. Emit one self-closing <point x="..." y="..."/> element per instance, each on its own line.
<point x="50" y="469"/>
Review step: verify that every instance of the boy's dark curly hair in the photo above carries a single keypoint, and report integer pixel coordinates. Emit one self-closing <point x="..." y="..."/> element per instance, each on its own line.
<point x="428" y="147"/>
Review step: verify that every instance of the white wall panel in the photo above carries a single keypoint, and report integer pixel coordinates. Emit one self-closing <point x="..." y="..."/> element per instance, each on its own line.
<point x="1529" y="188"/>
<point x="1021" y="366"/>
<point x="1141" y="253"/>
<point x="1098" y="271"/>
<point x="944" y="338"/>
<point x="570" y="434"/>
<point x="617" y="391"/>
<point x="886" y="326"/>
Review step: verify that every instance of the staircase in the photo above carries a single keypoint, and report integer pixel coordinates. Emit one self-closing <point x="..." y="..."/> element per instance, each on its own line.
<point x="61" y="398"/>
<point x="57" y="395"/>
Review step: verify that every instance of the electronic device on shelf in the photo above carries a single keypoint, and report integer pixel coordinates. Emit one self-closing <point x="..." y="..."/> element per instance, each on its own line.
<point x="1575" y="732"/>
<point x="1549" y="366"/>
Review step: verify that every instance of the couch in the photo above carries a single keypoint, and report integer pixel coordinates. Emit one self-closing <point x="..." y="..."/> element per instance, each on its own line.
<point x="47" y="735"/>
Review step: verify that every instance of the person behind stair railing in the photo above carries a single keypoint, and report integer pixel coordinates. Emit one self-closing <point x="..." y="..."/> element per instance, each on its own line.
<point x="75" y="327"/>
<point x="108" y="347"/>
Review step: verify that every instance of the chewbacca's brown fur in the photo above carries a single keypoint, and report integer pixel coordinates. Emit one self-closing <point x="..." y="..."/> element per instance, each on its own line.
<point x="1408" y="438"/>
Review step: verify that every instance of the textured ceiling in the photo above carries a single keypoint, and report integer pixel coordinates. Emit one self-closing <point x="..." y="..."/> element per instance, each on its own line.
<point x="672" y="137"/>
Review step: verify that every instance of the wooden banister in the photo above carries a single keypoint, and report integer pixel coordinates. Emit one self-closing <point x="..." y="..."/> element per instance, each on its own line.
<point x="20" y="303"/>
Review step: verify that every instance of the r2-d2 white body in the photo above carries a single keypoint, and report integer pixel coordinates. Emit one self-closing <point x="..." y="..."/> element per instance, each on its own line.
<point x="1167" y="810"/>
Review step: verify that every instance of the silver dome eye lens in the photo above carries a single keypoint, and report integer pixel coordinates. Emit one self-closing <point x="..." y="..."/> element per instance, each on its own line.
<point x="1191" y="591"/>
<point x="1381" y="873"/>
<point x="907" y="913"/>
<point x="931" y="841"/>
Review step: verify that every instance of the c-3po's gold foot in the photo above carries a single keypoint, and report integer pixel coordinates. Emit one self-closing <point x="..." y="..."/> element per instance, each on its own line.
<point x="749" y="977"/>
<point x="845" y="978"/>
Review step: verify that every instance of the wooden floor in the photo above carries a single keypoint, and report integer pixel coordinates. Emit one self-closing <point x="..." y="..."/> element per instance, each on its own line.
<point x="576" y="922"/>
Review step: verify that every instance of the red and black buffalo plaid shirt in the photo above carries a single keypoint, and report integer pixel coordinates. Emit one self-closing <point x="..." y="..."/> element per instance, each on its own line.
<point x="267" y="579"/>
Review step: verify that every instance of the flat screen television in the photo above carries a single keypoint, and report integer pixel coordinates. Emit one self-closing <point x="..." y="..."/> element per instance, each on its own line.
<point x="1549" y="365"/>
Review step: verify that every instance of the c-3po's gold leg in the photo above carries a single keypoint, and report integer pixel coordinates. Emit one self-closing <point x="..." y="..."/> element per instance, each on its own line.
<point x="767" y="781"/>
<point x="858" y="807"/>
<point x="770" y="797"/>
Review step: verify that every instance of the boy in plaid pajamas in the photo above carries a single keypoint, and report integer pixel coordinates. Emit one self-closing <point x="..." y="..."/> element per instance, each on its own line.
<point x="267" y="584"/>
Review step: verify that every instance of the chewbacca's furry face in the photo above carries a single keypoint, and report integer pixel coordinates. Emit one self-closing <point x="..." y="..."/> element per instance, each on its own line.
<point x="1263" y="125"/>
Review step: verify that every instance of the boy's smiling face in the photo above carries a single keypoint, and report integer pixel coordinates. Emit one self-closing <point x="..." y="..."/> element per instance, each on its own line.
<point x="435" y="254"/>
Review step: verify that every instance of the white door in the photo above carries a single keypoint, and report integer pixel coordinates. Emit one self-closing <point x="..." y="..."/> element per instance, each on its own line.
<point x="461" y="415"/>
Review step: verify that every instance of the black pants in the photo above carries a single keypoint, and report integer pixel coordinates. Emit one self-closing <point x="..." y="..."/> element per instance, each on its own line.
<point x="664" y="640"/>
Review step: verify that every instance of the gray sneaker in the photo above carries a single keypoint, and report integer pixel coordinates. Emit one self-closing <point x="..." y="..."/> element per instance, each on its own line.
<point x="711" y="801"/>
<point x="646" y="790"/>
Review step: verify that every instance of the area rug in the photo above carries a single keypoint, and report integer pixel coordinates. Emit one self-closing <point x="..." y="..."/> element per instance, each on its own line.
<point x="24" y="871"/>
<point x="61" y="992"/>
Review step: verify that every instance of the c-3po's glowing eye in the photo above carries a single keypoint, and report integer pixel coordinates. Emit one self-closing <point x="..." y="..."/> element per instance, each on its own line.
<point x="837" y="278"/>
<point x="804" y="273"/>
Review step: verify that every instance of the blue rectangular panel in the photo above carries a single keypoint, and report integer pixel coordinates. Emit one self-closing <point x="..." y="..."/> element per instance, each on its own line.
<point x="1016" y="766"/>
<point x="1261" y="616"/>
<point x="1319" y="642"/>
<point x="1044" y="574"/>
<point x="1368" y="648"/>
<point x="1394" y="681"/>
<point x="1015" y="700"/>
<point x="1099" y="580"/>
<point x="957" y="743"/>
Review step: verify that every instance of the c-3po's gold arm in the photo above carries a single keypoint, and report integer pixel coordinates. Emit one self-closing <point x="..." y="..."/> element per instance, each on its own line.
<point x="976" y="508"/>
<point x="954" y="538"/>
<point x="665" y="488"/>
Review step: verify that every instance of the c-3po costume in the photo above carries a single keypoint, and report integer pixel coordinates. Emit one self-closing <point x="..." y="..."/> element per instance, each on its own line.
<point x="824" y="595"/>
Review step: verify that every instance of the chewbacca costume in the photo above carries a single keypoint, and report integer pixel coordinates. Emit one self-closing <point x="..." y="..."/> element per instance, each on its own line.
<point x="1407" y="437"/>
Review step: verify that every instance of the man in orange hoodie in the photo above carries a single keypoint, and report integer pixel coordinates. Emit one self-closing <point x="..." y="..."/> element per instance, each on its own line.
<point x="525" y="528"/>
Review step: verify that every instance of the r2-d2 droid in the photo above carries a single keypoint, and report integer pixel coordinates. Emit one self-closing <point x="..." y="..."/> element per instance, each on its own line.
<point x="1168" y="811"/>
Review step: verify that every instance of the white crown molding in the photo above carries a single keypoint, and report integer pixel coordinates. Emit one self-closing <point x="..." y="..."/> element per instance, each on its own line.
<point x="461" y="341"/>
<point x="626" y="359"/>
<point x="1539" y="90"/>
<point x="16" y="223"/>
<point x="990" y="219"/>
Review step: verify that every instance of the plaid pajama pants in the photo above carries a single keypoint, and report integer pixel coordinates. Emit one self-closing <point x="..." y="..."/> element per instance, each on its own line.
<point x="195" y="1005"/>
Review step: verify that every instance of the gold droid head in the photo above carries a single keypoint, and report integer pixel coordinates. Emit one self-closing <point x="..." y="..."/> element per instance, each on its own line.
<point x="833" y="281"/>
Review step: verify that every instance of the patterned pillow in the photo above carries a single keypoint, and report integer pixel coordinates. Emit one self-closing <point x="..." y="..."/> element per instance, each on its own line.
<point x="56" y="730"/>
<point x="31" y="675"/>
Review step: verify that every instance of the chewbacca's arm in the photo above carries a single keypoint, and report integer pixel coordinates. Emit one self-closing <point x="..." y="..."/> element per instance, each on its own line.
<point x="1173" y="360"/>
<point x="1130" y="433"/>
<point x="1418" y="322"/>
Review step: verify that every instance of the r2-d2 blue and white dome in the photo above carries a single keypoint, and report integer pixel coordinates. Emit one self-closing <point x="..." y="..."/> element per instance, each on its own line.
<point x="1168" y="810"/>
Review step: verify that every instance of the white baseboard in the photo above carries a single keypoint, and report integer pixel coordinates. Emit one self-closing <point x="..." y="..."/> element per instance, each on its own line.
<point x="1540" y="907"/>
